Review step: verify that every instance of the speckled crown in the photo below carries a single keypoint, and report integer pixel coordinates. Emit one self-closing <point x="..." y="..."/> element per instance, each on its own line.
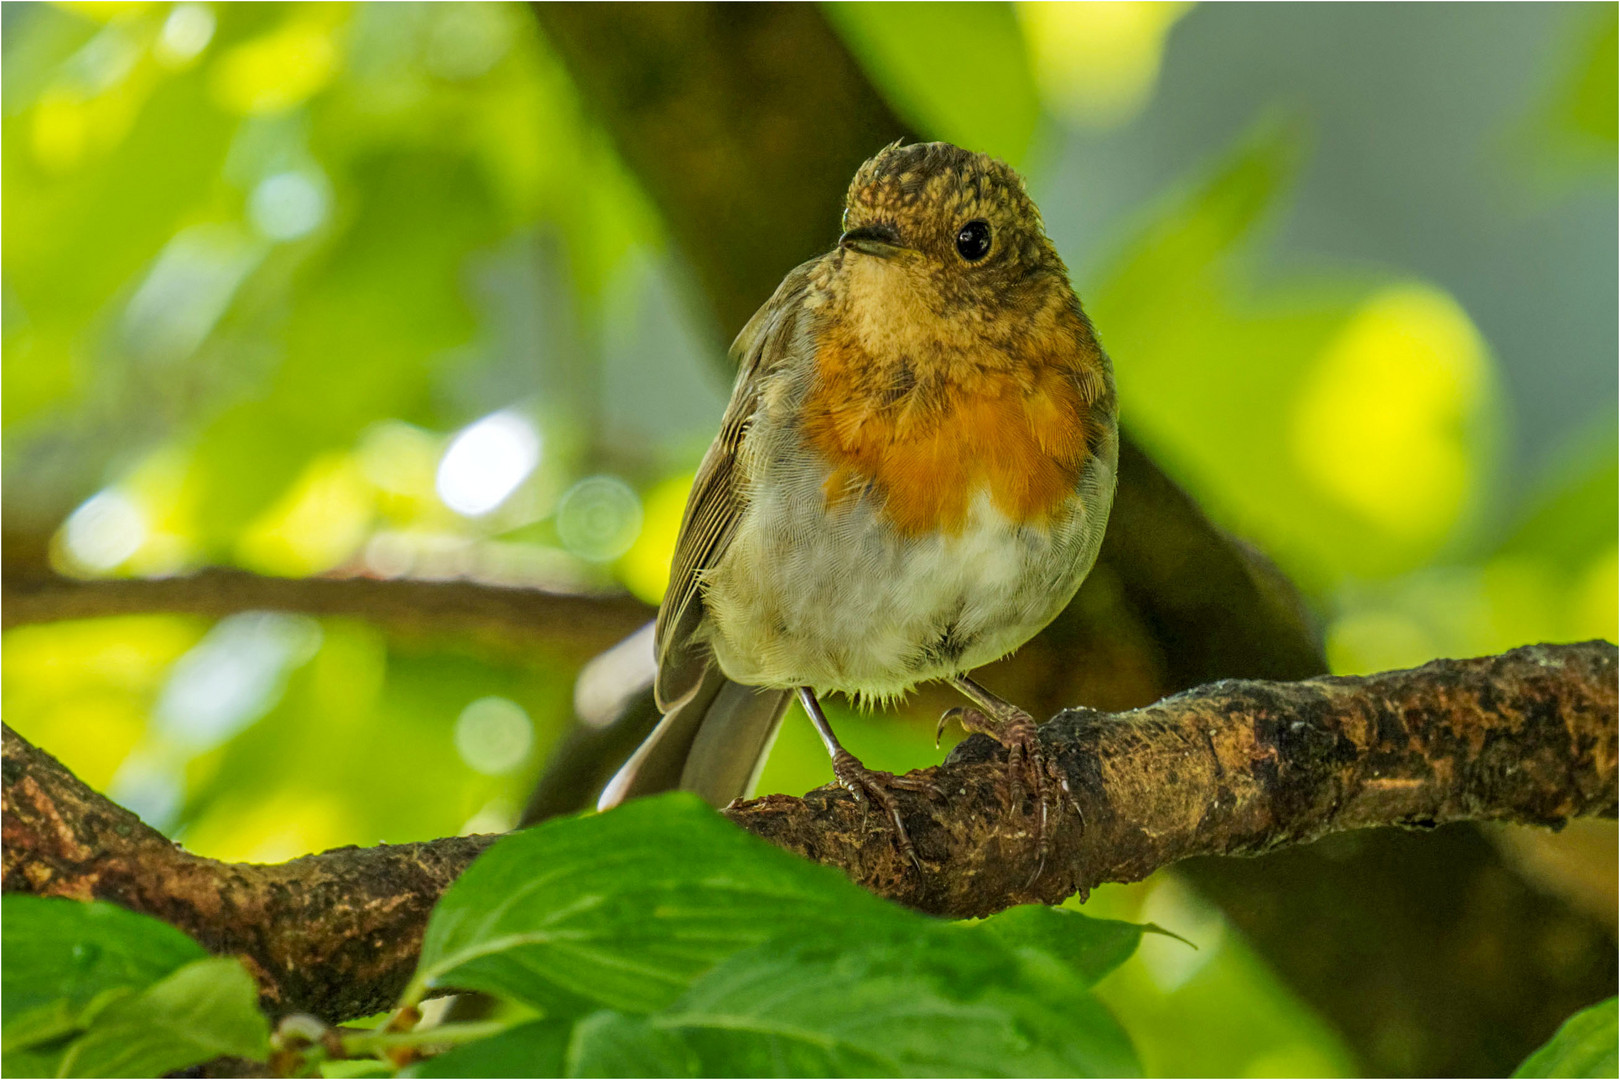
<point x="939" y="176"/>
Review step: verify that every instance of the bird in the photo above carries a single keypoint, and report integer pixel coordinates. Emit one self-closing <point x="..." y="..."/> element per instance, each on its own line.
<point x="911" y="479"/>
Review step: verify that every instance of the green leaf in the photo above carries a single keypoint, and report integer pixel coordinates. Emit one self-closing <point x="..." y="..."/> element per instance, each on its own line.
<point x="613" y="1044"/>
<point x="923" y="999"/>
<point x="624" y="909"/>
<point x="538" y="1048"/>
<point x="1584" y="1046"/>
<point x="350" y="1070"/>
<point x="605" y="1043"/>
<point x="207" y="1009"/>
<point x="742" y="959"/>
<point x="1571" y="520"/>
<point x="56" y="1021"/>
<point x="1091" y="947"/>
<point x="928" y="1000"/>
<point x="57" y="950"/>
<point x="35" y="1061"/>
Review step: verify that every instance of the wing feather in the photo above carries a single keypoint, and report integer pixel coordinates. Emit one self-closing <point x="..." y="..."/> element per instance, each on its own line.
<point x="719" y="496"/>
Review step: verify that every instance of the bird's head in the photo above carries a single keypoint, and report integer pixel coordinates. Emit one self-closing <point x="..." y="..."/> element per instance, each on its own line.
<point x="954" y="225"/>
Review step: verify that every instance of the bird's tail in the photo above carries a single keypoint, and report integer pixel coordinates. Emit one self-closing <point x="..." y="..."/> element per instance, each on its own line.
<point x="713" y="744"/>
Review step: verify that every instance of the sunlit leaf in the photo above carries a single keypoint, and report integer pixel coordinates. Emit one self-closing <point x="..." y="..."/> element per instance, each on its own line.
<point x="281" y="69"/>
<point x="645" y="567"/>
<point x="1584" y="1046"/>
<point x="205" y="1010"/>
<point x="1382" y="422"/>
<point x="922" y="1001"/>
<point x="538" y="1048"/>
<point x="1344" y="425"/>
<point x="623" y="909"/>
<point x="63" y="950"/>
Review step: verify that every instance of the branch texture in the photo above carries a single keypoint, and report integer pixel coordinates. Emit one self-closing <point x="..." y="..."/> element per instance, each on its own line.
<point x="336" y="934"/>
<point x="1235" y="768"/>
<point x="1242" y="768"/>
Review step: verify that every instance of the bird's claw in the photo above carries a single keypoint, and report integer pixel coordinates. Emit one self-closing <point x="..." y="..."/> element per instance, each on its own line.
<point x="872" y="786"/>
<point x="1026" y="760"/>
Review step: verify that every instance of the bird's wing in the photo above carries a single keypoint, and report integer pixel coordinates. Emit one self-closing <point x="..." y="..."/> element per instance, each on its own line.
<point x="719" y="495"/>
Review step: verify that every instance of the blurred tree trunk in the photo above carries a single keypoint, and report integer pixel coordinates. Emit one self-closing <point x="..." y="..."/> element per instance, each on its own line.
<point x="744" y="123"/>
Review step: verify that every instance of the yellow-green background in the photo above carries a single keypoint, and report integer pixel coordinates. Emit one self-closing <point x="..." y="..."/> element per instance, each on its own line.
<point x="1356" y="266"/>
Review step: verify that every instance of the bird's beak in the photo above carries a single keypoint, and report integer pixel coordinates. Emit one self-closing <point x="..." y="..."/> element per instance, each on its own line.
<point x="880" y="240"/>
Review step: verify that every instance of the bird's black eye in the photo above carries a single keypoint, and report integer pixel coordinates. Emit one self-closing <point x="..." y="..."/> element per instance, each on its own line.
<point x="973" y="240"/>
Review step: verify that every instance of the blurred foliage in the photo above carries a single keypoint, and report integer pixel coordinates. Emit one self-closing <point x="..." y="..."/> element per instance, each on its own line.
<point x="994" y="106"/>
<point x="1574" y="129"/>
<point x="303" y="288"/>
<point x="1184" y="1003"/>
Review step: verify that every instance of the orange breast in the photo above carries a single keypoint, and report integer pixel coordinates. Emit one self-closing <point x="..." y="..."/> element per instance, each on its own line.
<point x="926" y="437"/>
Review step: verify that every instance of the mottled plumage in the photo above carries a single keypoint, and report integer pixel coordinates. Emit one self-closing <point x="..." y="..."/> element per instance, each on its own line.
<point x="912" y="477"/>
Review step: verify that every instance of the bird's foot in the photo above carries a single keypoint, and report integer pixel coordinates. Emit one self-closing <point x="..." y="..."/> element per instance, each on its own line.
<point x="1028" y="765"/>
<point x="871" y="786"/>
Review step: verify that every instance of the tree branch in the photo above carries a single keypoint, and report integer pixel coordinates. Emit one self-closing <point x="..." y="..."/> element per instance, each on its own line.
<point x="1234" y="768"/>
<point x="1243" y="768"/>
<point x="575" y="624"/>
<point x="336" y="933"/>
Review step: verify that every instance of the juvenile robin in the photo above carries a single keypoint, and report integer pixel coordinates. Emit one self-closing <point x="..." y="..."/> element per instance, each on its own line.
<point x="911" y="479"/>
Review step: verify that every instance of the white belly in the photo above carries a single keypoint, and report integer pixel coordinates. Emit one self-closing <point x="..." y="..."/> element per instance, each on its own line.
<point x="835" y="600"/>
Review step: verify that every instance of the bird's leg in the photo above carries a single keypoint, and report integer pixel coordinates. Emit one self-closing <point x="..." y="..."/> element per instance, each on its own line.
<point x="1015" y="729"/>
<point x="867" y="785"/>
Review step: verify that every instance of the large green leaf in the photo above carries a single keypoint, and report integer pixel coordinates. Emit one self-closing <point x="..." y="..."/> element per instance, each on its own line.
<point x="207" y="1009"/>
<point x="605" y="1043"/>
<point x="624" y="909"/>
<point x="61" y="957"/>
<point x="926" y="1001"/>
<point x="717" y="954"/>
<point x="538" y="1048"/>
<point x="613" y="1044"/>
<point x="1584" y="1046"/>
<point x="95" y="990"/>
<point x="918" y="1000"/>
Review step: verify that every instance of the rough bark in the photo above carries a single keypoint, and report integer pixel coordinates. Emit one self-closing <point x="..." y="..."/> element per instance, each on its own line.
<point x="336" y="933"/>
<point x="1242" y="768"/>
<point x="340" y="930"/>
<point x="1235" y="768"/>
